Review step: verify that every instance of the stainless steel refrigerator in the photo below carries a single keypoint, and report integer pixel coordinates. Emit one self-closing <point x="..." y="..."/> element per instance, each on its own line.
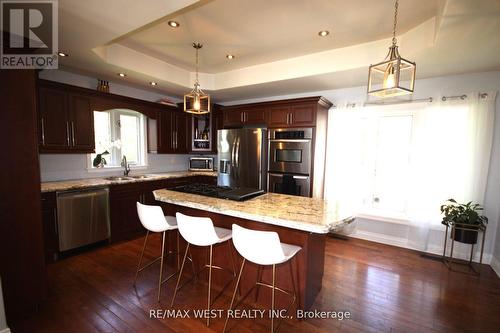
<point x="242" y="156"/>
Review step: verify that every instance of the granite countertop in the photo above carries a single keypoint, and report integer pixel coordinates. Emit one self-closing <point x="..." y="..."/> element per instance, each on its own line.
<point x="74" y="184"/>
<point x="307" y="214"/>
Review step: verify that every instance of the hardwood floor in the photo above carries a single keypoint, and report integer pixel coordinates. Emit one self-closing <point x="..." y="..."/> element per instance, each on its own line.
<point x="386" y="289"/>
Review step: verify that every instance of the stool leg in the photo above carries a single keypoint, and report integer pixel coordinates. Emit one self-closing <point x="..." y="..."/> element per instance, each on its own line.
<point x="293" y="284"/>
<point x="259" y="279"/>
<point x="272" y="299"/>
<point x="232" y="258"/>
<point x="178" y="252"/>
<point x="209" y="282"/>
<point x="192" y="265"/>
<point x="180" y="274"/>
<point x="161" y="265"/>
<point x="140" y="257"/>
<point x="234" y="293"/>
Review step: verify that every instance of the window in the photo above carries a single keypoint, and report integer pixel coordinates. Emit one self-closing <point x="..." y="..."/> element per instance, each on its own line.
<point x="120" y="133"/>
<point x="404" y="161"/>
<point x="389" y="164"/>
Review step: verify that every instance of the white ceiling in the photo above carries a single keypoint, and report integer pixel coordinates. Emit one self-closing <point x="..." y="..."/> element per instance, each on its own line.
<point x="275" y="42"/>
<point x="262" y="31"/>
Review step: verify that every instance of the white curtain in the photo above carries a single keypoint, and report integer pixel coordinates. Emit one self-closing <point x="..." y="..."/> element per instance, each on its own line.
<point x="449" y="157"/>
<point x="345" y="176"/>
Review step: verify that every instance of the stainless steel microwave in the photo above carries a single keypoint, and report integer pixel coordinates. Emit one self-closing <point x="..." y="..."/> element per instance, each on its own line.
<point x="201" y="164"/>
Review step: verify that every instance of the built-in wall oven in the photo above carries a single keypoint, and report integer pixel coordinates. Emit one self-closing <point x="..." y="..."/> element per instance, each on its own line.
<point x="290" y="161"/>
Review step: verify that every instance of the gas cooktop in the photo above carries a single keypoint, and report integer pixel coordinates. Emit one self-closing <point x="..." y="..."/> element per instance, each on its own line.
<point x="237" y="194"/>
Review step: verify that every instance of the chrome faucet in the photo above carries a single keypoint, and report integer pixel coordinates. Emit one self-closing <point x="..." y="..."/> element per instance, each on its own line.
<point x="125" y="165"/>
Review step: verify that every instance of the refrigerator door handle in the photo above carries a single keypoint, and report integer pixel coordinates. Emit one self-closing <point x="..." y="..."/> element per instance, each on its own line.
<point x="233" y="147"/>
<point x="237" y="154"/>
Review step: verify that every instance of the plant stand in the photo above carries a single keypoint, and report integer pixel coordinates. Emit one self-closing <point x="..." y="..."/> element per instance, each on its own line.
<point x="450" y="260"/>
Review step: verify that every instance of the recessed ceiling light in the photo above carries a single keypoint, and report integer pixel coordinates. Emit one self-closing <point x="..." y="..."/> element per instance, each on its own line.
<point x="173" y="24"/>
<point x="153" y="83"/>
<point x="324" y="33"/>
<point x="122" y="74"/>
<point x="230" y="56"/>
<point x="62" y="54"/>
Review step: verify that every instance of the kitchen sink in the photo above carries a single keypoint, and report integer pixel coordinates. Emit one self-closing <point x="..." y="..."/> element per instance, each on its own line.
<point x="118" y="178"/>
<point x="140" y="176"/>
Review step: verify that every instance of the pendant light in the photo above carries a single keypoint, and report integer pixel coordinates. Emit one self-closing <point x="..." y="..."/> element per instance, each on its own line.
<point x="196" y="101"/>
<point x="394" y="76"/>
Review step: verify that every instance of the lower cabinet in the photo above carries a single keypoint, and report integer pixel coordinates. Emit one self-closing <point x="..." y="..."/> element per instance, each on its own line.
<point x="125" y="223"/>
<point x="50" y="231"/>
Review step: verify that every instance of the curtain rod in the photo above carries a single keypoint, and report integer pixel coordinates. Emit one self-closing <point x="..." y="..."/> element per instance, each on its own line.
<point x="428" y="99"/>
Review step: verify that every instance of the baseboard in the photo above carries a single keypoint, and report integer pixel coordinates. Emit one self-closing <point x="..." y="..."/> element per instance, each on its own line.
<point x="495" y="264"/>
<point x="433" y="249"/>
<point x="380" y="238"/>
<point x="5" y="330"/>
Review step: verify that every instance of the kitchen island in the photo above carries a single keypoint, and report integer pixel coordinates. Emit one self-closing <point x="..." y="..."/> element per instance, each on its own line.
<point x="298" y="220"/>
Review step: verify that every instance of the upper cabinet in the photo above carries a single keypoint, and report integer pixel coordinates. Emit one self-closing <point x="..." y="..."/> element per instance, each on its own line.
<point x="239" y="116"/>
<point x="66" y="119"/>
<point x="66" y="122"/>
<point x="171" y="127"/>
<point x="301" y="112"/>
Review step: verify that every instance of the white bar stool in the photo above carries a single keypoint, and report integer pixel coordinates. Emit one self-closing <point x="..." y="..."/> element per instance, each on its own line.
<point x="263" y="248"/>
<point x="200" y="231"/>
<point x="153" y="220"/>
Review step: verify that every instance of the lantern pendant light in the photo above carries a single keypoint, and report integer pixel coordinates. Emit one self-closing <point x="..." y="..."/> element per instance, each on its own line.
<point x="196" y="101"/>
<point x="394" y="76"/>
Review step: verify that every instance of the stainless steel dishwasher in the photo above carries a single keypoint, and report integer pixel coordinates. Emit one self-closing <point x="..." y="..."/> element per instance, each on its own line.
<point x="82" y="217"/>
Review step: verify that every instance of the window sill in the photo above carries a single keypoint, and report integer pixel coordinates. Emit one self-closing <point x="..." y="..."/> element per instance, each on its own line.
<point x="115" y="168"/>
<point x="384" y="218"/>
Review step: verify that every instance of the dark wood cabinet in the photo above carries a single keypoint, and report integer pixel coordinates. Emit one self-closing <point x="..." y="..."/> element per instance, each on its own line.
<point x="81" y="123"/>
<point x="172" y="131"/>
<point x="164" y="132"/>
<point x="303" y="115"/>
<point x="239" y="117"/>
<point x="300" y="112"/>
<point x="22" y="262"/>
<point x="233" y="118"/>
<point x="217" y="124"/>
<point x="278" y="116"/>
<point x="50" y="229"/>
<point x="283" y="116"/>
<point x="125" y="223"/>
<point x="53" y="119"/>
<point x="66" y="121"/>
<point x="180" y="127"/>
<point x="255" y="116"/>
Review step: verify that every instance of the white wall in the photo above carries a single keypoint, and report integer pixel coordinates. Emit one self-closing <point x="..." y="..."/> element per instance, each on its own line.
<point x="396" y="234"/>
<point x="73" y="166"/>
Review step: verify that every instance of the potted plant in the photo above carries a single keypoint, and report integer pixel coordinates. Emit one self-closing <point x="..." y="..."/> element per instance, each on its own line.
<point x="464" y="215"/>
<point x="99" y="160"/>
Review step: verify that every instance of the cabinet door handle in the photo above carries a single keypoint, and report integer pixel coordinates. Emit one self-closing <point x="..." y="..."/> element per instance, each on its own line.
<point x="287" y="116"/>
<point x="43" y="131"/>
<point x="56" y="229"/>
<point x="291" y="118"/>
<point x="67" y="133"/>
<point x="246" y="117"/>
<point x="241" y="117"/>
<point x="73" y="133"/>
